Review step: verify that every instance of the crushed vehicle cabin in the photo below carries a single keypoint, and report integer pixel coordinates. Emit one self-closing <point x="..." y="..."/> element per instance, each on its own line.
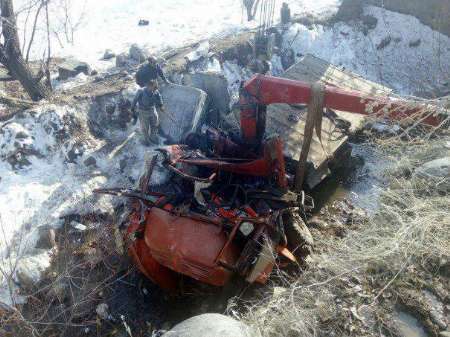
<point x="232" y="207"/>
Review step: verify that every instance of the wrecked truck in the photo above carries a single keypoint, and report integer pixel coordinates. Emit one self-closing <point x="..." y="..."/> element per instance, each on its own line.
<point x="231" y="208"/>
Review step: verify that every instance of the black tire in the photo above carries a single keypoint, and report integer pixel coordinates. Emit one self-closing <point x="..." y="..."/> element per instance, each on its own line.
<point x="299" y="239"/>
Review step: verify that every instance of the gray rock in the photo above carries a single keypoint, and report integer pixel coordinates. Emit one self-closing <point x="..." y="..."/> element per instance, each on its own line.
<point x="109" y="54"/>
<point x="110" y="108"/>
<point x="46" y="238"/>
<point x="71" y="68"/>
<point x="370" y="22"/>
<point x="211" y="325"/>
<point x="436" y="171"/>
<point x="315" y="222"/>
<point x="138" y="54"/>
<point x="444" y="334"/>
<point x="102" y="311"/>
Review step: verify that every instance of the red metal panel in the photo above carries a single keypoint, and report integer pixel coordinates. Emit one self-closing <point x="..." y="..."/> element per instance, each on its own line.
<point x="142" y="257"/>
<point x="189" y="247"/>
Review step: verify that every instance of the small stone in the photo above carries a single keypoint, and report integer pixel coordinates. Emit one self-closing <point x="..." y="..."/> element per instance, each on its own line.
<point x="316" y="222"/>
<point x="143" y="22"/>
<point x="278" y="291"/>
<point x="415" y="43"/>
<point x="21" y="135"/>
<point x="71" y="68"/>
<point x="370" y="22"/>
<point x="110" y="108"/>
<point x="102" y="311"/>
<point x="78" y="226"/>
<point x="109" y="54"/>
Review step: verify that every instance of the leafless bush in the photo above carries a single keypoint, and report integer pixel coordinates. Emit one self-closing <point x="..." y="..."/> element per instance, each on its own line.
<point x="69" y="20"/>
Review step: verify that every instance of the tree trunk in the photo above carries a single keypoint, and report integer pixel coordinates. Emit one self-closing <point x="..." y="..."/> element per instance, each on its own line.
<point x="11" y="55"/>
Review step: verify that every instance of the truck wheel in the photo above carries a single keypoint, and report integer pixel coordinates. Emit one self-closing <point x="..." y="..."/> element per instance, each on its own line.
<point x="299" y="239"/>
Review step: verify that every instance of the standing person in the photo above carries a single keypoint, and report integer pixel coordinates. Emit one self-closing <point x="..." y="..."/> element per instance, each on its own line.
<point x="147" y="100"/>
<point x="150" y="71"/>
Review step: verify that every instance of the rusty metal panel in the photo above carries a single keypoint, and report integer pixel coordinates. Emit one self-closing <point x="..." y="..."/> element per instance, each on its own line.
<point x="289" y="121"/>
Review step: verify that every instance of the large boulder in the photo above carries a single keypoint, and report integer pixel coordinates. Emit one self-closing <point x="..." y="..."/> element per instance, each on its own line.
<point x="185" y="110"/>
<point x="138" y="54"/>
<point x="211" y="325"/>
<point x="71" y="68"/>
<point x="436" y="171"/>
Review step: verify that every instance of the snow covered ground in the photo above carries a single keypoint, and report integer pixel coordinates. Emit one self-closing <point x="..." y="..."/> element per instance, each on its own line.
<point x="55" y="183"/>
<point x="113" y="24"/>
<point x="414" y="60"/>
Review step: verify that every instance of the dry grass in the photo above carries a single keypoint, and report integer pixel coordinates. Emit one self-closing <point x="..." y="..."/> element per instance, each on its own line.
<point x="351" y="276"/>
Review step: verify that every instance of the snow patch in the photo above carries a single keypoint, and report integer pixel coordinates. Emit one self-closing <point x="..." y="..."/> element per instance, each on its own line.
<point x="408" y="70"/>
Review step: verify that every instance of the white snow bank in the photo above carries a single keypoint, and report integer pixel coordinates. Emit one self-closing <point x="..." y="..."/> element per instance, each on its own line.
<point x="407" y="69"/>
<point x="113" y="24"/>
<point x="52" y="186"/>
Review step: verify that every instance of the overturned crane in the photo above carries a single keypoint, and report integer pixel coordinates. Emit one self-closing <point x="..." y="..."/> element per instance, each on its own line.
<point x="230" y="207"/>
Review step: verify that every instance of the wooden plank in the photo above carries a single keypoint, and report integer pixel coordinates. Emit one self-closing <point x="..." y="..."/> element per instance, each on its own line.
<point x="289" y="121"/>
